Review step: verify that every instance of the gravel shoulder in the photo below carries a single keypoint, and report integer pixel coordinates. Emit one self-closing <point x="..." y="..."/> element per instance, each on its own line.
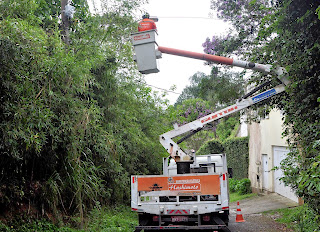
<point x="252" y="209"/>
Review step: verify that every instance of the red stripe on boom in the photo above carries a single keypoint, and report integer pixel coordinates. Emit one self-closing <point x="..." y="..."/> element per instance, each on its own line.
<point x="196" y="55"/>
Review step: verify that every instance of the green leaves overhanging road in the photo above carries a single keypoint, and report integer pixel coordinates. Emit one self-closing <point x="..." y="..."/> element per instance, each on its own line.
<point x="284" y="33"/>
<point x="75" y="120"/>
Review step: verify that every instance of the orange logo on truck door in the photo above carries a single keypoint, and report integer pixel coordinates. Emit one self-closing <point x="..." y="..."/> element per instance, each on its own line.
<point x="202" y="185"/>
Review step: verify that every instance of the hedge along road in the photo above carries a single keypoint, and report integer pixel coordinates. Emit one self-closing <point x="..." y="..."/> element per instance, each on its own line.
<point x="252" y="209"/>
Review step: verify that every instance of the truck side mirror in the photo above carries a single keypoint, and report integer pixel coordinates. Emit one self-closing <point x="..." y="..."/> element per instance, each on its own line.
<point x="230" y="172"/>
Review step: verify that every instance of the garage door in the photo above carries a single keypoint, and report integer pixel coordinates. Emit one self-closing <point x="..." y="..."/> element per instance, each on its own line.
<point x="279" y="153"/>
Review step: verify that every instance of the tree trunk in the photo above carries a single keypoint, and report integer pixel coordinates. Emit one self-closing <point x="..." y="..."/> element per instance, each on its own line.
<point x="65" y="23"/>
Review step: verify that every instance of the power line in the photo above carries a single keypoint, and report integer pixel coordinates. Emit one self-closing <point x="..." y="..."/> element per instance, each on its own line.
<point x="170" y="91"/>
<point x="186" y="17"/>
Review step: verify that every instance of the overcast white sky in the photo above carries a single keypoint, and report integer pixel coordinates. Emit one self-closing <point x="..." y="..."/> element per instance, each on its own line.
<point x="183" y="24"/>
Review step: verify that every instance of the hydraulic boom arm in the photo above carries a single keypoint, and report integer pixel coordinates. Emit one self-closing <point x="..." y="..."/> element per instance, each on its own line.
<point x="147" y="51"/>
<point x="166" y="139"/>
<point x="173" y="148"/>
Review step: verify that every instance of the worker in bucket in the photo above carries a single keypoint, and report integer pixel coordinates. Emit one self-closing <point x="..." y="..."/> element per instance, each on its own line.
<point x="146" y="23"/>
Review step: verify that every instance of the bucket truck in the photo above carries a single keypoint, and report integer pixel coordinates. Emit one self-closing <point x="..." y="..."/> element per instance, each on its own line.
<point x="192" y="193"/>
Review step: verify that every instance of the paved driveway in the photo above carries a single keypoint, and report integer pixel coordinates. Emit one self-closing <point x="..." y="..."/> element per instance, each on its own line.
<point x="252" y="209"/>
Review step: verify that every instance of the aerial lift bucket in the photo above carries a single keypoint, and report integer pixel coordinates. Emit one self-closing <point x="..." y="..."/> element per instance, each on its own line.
<point x="146" y="52"/>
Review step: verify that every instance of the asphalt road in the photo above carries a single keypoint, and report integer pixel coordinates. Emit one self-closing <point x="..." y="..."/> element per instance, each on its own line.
<point x="252" y="209"/>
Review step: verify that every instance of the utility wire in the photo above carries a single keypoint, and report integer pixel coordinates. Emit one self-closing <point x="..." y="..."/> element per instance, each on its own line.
<point x="186" y="17"/>
<point x="170" y="91"/>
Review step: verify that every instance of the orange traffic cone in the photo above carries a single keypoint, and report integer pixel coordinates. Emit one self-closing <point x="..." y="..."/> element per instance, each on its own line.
<point x="239" y="217"/>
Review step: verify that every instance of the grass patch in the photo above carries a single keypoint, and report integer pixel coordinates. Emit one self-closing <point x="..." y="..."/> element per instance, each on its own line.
<point x="113" y="219"/>
<point x="299" y="218"/>
<point x="237" y="196"/>
<point x="33" y="225"/>
<point x="103" y="219"/>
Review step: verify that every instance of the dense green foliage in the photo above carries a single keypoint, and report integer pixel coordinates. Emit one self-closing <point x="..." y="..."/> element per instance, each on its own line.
<point x="195" y="108"/>
<point x="114" y="219"/>
<point x="76" y="119"/>
<point x="232" y="185"/>
<point x="302" y="218"/>
<point x="221" y="88"/>
<point x="211" y="147"/>
<point x="301" y="25"/>
<point x="227" y="128"/>
<point x="188" y="111"/>
<point x="242" y="186"/>
<point x="237" y="152"/>
<point x="283" y="33"/>
<point x="33" y="225"/>
<point x="207" y="94"/>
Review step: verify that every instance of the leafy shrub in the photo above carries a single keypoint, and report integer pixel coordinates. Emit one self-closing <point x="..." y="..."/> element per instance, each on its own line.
<point x="211" y="147"/>
<point x="4" y="228"/>
<point x="232" y="185"/>
<point x="240" y="186"/>
<point x="226" y="127"/>
<point x="243" y="186"/>
<point x="296" y="24"/>
<point x="72" y="122"/>
<point x="237" y="151"/>
<point x="24" y="224"/>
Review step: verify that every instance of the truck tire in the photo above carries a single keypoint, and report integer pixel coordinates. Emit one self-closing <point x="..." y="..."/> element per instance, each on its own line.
<point x="225" y="217"/>
<point x="145" y="219"/>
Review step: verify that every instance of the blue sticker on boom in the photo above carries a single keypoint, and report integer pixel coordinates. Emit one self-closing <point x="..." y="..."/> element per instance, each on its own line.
<point x="264" y="95"/>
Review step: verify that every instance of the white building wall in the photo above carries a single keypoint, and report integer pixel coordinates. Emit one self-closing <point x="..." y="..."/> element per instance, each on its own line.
<point x="271" y="136"/>
<point x="263" y="137"/>
<point x="254" y="171"/>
